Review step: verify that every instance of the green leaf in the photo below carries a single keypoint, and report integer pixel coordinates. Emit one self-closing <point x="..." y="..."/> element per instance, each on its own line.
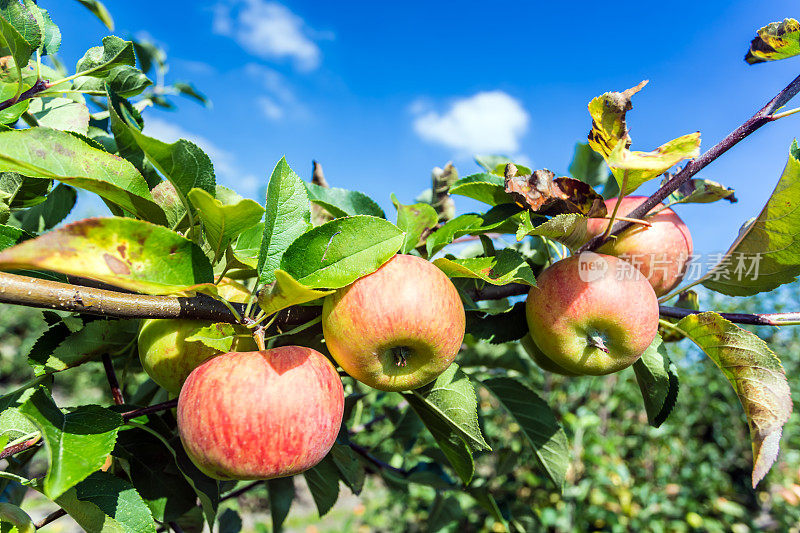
<point x="339" y="252"/>
<point x="569" y="229"/>
<point x="54" y="209"/>
<point x="756" y="375"/>
<point x="11" y="114"/>
<point x="496" y="164"/>
<point x="124" y="252"/>
<point x="219" y="336"/>
<point x="20" y="191"/>
<point x="154" y="475"/>
<point x="448" y="408"/>
<point x="125" y="80"/>
<point x="766" y="254"/>
<point x="52" y="154"/>
<point x="12" y="42"/>
<point x="93" y="340"/>
<point x="22" y="16"/>
<point x="776" y="40"/>
<point x="341" y="202"/>
<point x="700" y="191"/>
<point x="126" y="143"/>
<point x="103" y="503"/>
<point x="414" y="220"/>
<point x="588" y="166"/>
<point x="281" y="494"/>
<point x="248" y="245"/>
<point x="538" y="422"/>
<point x="487" y="188"/>
<point x="351" y="471"/>
<point x="14" y="520"/>
<point x="61" y="114"/>
<point x="286" y="292"/>
<point x="183" y="163"/>
<point x="77" y="442"/>
<point x="507" y="266"/>
<point x="633" y="169"/>
<point x="51" y="34"/>
<point x="14" y="425"/>
<point x="100" y="60"/>
<point x="100" y="11"/>
<point x="287" y="217"/>
<point x="444" y="511"/>
<point x="223" y="223"/>
<point x="498" y="328"/>
<point x="499" y="219"/>
<point x="658" y="381"/>
<point x="10" y="236"/>
<point x="323" y="483"/>
<point x="187" y="89"/>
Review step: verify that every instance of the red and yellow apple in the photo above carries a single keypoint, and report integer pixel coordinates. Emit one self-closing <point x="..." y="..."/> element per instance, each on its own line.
<point x="592" y="314"/>
<point x="260" y="415"/>
<point x="661" y="252"/>
<point x="397" y="328"/>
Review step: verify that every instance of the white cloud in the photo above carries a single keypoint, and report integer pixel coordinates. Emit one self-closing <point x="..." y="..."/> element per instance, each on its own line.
<point x="487" y="122"/>
<point x="279" y="100"/>
<point x="269" y="30"/>
<point x="225" y="166"/>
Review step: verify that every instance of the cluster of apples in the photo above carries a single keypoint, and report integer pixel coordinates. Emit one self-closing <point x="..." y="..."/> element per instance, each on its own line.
<point x="595" y="314"/>
<point x="251" y="414"/>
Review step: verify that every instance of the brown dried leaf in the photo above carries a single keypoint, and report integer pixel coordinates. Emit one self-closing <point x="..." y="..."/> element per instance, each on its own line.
<point x="540" y="193"/>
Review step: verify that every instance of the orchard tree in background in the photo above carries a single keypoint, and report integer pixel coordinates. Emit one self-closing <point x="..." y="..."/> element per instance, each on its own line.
<point x="276" y="329"/>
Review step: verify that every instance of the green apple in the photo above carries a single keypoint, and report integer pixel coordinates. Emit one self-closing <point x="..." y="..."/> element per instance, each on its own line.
<point x="661" y="252"/>
<point x="541" y="360"/>
<point x="15" y="520"/>
<point x="168" y="358"/>
<point x="397" y="328"/>
<point x="592" y="314"/>
<point x="261" y="415"/>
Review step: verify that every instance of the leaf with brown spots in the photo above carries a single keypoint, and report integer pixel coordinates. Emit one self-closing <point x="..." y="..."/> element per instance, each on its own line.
<point x="608" y="119"/>
<point x="776" y="40"/>
<point x="540" y="193"/>
<point x="58" y="155"/>
<point x="756" y="375"/>
<point x="124" y="252"/>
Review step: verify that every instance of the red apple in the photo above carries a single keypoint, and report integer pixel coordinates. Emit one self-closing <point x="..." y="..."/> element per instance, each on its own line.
<point x="397" y="328"/>
<point x="661" y="251"/>
<point x="168" y="358"/>
<point x="260" y="415"/>
<point x="592" y="314"/>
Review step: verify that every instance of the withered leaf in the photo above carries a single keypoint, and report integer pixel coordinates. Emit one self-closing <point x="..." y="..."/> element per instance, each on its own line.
<point x="541" y="193"/>
<point x="608" y="119"/>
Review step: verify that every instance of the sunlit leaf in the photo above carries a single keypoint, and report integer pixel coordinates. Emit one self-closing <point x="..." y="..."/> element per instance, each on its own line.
<point x="61" y="113"/>
<point x="342" y="203"/>
<point x="486" y="188"/>
<point x="414" y="220"/>
<point x="223" y="223"/>
<point x="569" y="229"/>
<point x="100" y="60"/>
<point x="756" y="375"/>
<point x="286" y="292"/>
<point x="776" y="40"/>
<point x="124" y="252"/>
<point x="608" y="119"/>
<point x="507" y="266"/>
<point x="100" y="11"/>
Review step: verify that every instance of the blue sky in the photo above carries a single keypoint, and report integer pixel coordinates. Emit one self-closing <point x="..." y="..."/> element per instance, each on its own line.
<point x="381" y="92"/>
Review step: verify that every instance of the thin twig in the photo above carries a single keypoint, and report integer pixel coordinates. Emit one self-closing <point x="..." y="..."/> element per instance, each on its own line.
<point x="150" y="409"/>
<point x="765" y="319"/>
<point x="763" y="116"/>
<point x="175" y="527"/>
<point x="49" y="518"/>
<point x="19" y="448"/>
<point x="116" y="392"/>
<point x="239" y="492"/>
<point x="363" y="452"/>
<point x="38" y="87"/>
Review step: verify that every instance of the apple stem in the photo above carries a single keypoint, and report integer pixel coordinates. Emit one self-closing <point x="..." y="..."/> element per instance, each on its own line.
<point x="400" y="354"/>
<point x="258" y="335"/>
<point x="597" y="342"/>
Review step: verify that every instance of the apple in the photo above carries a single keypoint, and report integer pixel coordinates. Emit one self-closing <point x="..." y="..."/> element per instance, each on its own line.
<point x="592" y="314"/>
<point x="397" y="328"/>
<point x="18" y="519"/>
<point x="541" y="360"/>
<point x="168" y="358"/>
<point x="260" y="415"/>
<point x="661" y="252"/>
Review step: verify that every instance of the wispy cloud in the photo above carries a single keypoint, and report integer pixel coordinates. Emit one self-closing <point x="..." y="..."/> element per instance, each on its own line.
<point x="487" y="122"/>
<point x="225" y="166"/>
<point x="270" y="30"/>
<point x="279" y="100"/>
